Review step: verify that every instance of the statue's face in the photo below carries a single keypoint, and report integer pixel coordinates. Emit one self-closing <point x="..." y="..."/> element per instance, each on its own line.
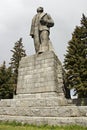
<point x="40" y="9"/>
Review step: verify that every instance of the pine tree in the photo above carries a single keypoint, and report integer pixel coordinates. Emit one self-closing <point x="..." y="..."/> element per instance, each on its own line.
<point x="18" y="53"/>
<point x="10" y="81"/>
<point x="6" y="87"/>
<point x="76" y="60"/>
<point x="2" y="79"/>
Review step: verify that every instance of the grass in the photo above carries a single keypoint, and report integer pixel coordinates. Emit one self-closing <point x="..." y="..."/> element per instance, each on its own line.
<point x="19" y="126"/>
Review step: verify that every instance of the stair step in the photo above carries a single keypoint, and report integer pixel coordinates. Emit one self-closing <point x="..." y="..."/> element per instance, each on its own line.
<point x="68" y="111"/>
<point x="46" y="120"/>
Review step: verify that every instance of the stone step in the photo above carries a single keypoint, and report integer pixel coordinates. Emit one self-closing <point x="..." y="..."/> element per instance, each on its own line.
<point x="82" y="121"/>
<point x="40" y="95"/>
<point x="60" y="111"/>
<point x="36" y="102"/>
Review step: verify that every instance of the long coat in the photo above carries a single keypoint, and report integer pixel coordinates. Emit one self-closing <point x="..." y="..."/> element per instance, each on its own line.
<point x="40" y="22"/>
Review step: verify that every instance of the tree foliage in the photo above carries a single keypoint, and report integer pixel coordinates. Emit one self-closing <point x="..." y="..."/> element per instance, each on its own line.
<point x="6" y="82"/>
<point x="8" y="76"/>
<point x="76" y="59"/>
<point x="18" y="52"/>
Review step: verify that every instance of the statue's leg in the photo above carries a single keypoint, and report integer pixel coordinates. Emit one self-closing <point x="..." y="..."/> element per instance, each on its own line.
<point x="44" y="39"/>
<point x="36" y="44"/>
<point x="36" y="39"/>
<point x="50" y="46"/>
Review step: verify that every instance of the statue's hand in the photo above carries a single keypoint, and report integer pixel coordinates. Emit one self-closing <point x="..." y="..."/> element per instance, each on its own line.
<point x="50" y="24"/>
<point x="32" y="35"/>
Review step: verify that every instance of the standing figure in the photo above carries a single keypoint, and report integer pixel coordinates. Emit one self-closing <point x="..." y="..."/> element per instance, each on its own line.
<point x="40" y="30"/>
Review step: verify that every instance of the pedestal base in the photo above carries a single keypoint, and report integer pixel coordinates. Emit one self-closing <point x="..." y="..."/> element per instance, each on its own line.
<point x="40" y="99"/>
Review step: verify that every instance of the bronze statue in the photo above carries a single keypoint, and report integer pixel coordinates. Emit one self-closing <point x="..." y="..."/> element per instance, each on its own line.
<point x="40" y="30"/>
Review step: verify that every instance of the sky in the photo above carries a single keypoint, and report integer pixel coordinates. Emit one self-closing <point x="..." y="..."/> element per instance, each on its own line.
<point x="16" y="17"/>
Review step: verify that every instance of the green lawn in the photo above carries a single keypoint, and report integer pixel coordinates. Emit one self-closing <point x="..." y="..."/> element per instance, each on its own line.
<point x="17" y="126"/>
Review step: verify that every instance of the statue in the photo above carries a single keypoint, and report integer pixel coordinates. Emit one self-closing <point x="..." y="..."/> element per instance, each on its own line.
<point x="40" y="30"/>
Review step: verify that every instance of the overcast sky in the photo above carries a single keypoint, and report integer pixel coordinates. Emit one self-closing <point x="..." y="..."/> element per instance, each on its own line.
<point x="15" y="22"/>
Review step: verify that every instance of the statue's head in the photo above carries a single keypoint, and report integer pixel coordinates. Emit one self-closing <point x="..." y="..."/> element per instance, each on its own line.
<point x="40" y="9"/>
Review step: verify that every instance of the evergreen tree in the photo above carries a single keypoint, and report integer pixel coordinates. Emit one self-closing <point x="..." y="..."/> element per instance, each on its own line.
<point x="6" y="87"/>
<point x="18" y="53"/>
<point x="76" y="59"/>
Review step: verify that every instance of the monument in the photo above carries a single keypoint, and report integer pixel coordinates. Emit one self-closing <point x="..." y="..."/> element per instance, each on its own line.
<point x="40" y="98"/>
<point x="40" y="30"/>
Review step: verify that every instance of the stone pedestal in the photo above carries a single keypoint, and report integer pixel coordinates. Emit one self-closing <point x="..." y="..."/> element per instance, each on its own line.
<point x="40" y="98"/>
<point x="40" y="74"/>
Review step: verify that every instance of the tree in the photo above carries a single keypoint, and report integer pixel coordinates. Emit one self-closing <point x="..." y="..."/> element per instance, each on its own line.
<point x="75" y="61"/>
<point x="66" y="90"/>
<point x="18" y="53"/>
<point x="6" y="83"/>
